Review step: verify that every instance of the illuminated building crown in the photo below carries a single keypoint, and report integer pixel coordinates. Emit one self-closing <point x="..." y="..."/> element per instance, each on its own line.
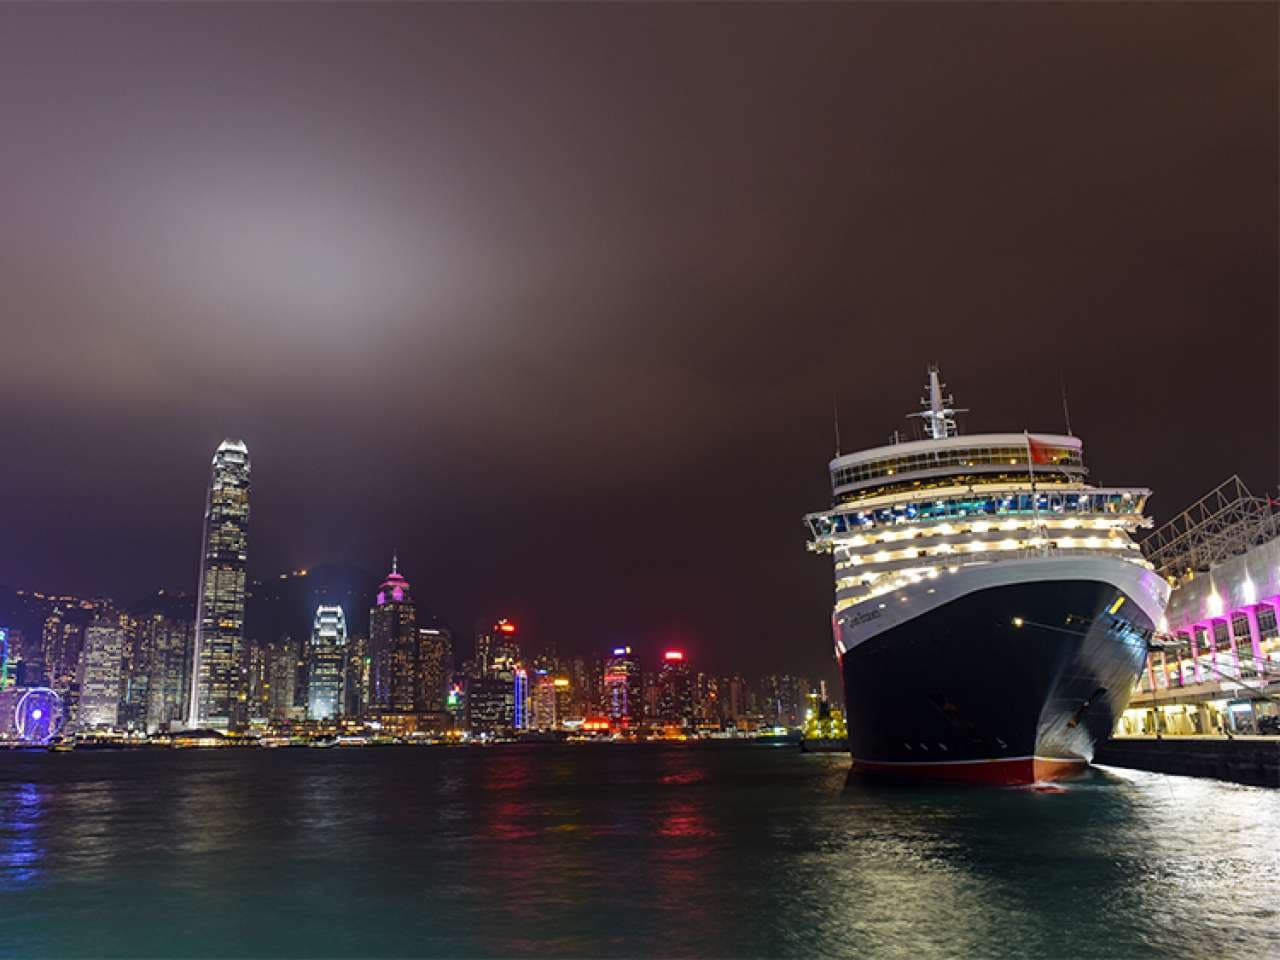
<point x="395" y="588"/>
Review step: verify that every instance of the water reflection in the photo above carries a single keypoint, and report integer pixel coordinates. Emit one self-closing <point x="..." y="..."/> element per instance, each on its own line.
<point x="22" y="808"/>
<point x="619" y="851"/>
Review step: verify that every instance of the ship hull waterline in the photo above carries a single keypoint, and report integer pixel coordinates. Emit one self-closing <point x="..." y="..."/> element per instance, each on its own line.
<point x="1008" y="685"/>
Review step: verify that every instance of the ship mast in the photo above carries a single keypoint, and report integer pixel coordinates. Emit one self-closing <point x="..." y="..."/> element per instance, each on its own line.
<point x="939" y="415"/>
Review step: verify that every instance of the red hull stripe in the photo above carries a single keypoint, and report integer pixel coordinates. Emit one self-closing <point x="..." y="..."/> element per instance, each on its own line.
<point x="1009" y="771"/>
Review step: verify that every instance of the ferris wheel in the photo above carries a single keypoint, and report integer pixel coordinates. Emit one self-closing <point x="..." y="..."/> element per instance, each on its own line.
<point x="38" y="716"/>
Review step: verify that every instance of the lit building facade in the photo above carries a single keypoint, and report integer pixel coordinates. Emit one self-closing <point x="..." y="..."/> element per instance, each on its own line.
<point x="326" y="658"/>
<point x="358" y="679"/>
<point x="100" y="674"/>
<point x="282" y="682"/>
<point x="504" y="649"/>
<point x="623" y="697"/>
<point x="490" y="704"/>
<point x="520" y="699"/>
<point x="169" y="646"/>
<point x="675" y="690"/>
<point x="62" y="638"/>
<point x="218" y="696"/>
<point x="135" y="675"/>
<point x="785" y="700"/>
<point x="435" y="668"/>
<point x="1215" y="666"/>
<point x="393" y="646"/>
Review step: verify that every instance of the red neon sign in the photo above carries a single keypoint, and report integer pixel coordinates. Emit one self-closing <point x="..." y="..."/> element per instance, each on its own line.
<point x="673" y="655"/>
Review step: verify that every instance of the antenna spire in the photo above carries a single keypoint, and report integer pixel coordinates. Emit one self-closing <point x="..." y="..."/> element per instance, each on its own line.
<point x="939" y="415"/>
<point x="395" y="561"/>
<point x="835" y="411"/>
<point x="1066" y="411"/>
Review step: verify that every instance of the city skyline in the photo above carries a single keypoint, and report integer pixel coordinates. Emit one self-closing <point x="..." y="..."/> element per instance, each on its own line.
<point x="494" y="295"/>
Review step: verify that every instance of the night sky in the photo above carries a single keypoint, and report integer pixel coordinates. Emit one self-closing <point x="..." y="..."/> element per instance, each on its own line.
<point x="556" y="299"/>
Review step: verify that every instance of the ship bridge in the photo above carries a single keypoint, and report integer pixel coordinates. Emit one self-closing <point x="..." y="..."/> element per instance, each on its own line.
<point x="979" y="458"/>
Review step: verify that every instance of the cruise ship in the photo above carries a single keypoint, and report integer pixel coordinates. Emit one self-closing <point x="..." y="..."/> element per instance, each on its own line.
<point x="992" y="608"/>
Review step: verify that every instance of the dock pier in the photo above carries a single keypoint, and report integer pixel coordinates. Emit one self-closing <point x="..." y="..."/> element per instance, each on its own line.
<point x="1248" y="760"/>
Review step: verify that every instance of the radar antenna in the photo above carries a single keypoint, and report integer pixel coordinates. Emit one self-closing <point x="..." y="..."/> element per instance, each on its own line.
<point x="939" y="415"/>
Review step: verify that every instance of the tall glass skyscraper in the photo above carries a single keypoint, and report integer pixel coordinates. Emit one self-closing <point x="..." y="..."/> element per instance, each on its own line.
<point x="217" y="677"/>
<point x="326" y="657"/>
<point x="393" y="646"/>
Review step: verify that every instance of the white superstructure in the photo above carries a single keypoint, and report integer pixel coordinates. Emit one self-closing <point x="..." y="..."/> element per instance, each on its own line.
<point x="916" y="524"/>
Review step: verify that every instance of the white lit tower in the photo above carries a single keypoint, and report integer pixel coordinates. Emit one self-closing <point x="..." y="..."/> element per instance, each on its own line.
<point x="326" y="655"/>
<point x="217" y="676"/>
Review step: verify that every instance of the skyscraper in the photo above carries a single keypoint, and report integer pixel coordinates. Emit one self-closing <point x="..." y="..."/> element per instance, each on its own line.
<point x="358" y="677"/>
<point x="435" y="668"/>
<point x="136" y="675"/>
<point x="326" y="657"/>
<point x="544" y="700"/>
<point x="62" y="640"/>
<point x="100" y="676"/>
<point x="622" y="691"/>
<point x="675" y="690"/>
<point x="393" y="646"/>
<point x="169" y="642"/>
<point x="282" y="676"/>
<point x="217" y="676"/>
<point x="520" y="699"/>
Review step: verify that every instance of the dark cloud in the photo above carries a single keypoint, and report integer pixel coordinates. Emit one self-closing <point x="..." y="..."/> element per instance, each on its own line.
<point x="556" y="298"/>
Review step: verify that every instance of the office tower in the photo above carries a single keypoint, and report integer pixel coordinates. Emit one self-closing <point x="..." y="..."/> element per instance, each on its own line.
<point x="326" y="655"/>
<point x="358" y="677"/>
<point x="504" y="648"/>
<point x="435" y="668"/>
<point x="135" y="675"/>
<point x="259" y="682"/>
<point x="675" y="690"/>
<point x="217" y="677"/>
<point x="734" y="705"/>
<point x="544" y="701"/>
<point x="484" y="652"/>
<point x="455" y="701"/>
<point x="62" y="638"/>
<point x="51" y="642"/>
<point x="14" y="646"/>
<point x="566" y="700"/>
<point x="649" y="695"/>
<point x="784" y="700"/>
<point x="706" y="701"/>
<point x="282" y="678"/>
<point x="393" y="646"/>
<point x="520" y="699"/>
<point x="583" y="698"/>
<point x="100" y="674"/>
<point x="170" y="643"/>
<point x="490" y="704"/>
<point x="622" y="688"/>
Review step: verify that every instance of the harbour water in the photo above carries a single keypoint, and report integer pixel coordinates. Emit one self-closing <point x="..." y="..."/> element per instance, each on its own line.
<point x="616" y="850"/>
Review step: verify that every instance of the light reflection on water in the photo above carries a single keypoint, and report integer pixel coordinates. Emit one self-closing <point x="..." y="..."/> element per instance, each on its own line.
<point x="618" y="850"/>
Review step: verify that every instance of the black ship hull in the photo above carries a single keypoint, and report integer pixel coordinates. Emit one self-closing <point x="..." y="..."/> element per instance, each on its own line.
<point x="1006" y="685"/>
